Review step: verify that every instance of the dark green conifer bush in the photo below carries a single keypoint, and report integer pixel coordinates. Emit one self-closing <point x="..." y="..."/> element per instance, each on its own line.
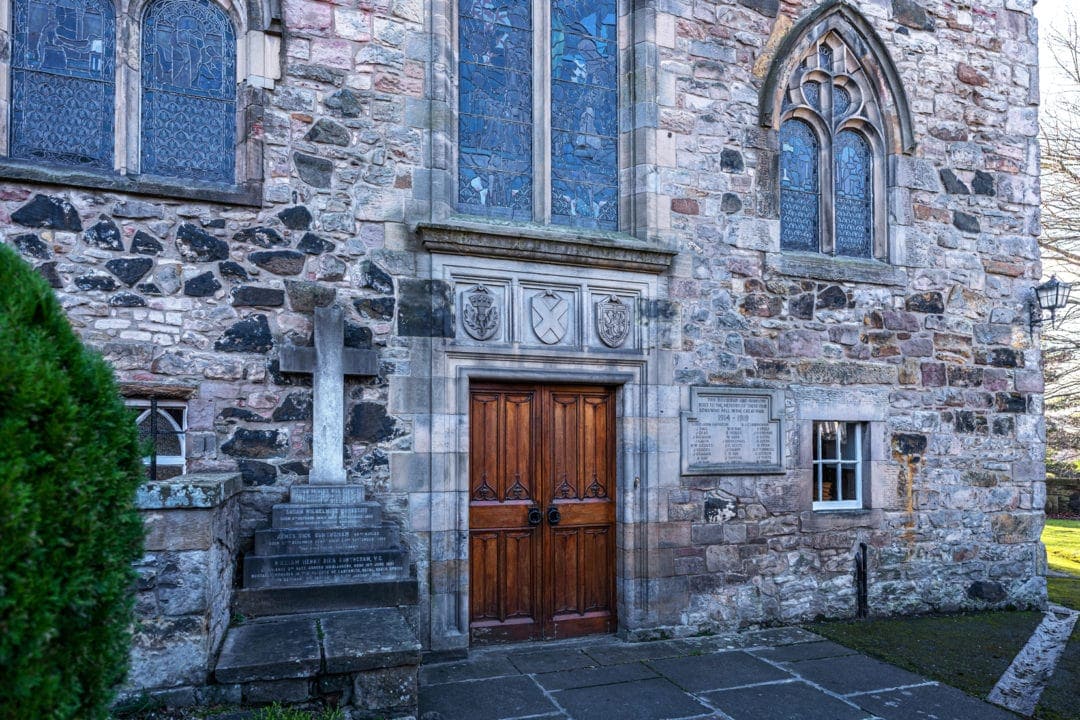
<point x="69" y="466"/>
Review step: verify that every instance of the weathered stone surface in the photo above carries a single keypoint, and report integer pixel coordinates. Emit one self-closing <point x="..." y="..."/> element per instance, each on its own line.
<point x="44" y="211"/>
<point x="279" y="262"/>
<point x="315" y="171"/>
<point x="369" y="639"/>
<point x="424" y="309"/>
<point x="296" y="406"/>
<point x="197" y="245"/>
<point x="95" y="282"/>
<point x="31" y="245"/>
<point x="270" y="651"/>
<point x="312" y="244"/>
<point x="965" y="222"/>
<point x="305" y="296"/>
<point x="202" y="285"/>
<point x="105" y="235"/>
<point x="730" y="202"/>
<point x="256" y="472"/>
<point x="255" y="443"/>
<point x="137" y="210"/>
<point x="731" y="161"/>
<point x="983" y="183"/>
<point x="911" y="14"/>
<point x="129" y="270"/>
<point x="928" y="302"/>
<point x="368" y="422"/>
<point x="375" y="308"/>
<point x="768" y="8"/>
<point x="375" y="278"/>
<point x="145" y="244"/>
<point x="255" y="296"/>
<point x="127" y="299"/>
<point x="230" y="269"/>
<point x="953" y="185"/>
<point x="262" y="236"/>
<point x="327" y="131"/>
<point x="296" y="218"/>
<point x="248" y="335"/>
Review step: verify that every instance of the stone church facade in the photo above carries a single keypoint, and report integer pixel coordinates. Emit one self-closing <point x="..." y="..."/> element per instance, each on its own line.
<point x="747" y="280"/>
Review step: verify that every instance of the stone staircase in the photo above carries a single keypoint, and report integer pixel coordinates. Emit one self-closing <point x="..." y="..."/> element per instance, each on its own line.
<point x="329" y="602"/>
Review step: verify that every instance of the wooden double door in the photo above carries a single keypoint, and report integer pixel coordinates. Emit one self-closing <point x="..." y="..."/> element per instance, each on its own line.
<point x="541" y="511"/>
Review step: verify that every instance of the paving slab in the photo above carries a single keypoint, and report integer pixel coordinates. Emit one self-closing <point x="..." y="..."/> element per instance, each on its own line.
<point x="929" y="702"/>
<point x="655" y="699"/>
<point x="492" y="699"/>
<point x="783" y="701"/>
<point x="803" y="651"/>
<point x="614" y="653"/>
<point x="591" y="677"/>
<point x="781" y="636"/>
<point x="545" y="661"/>
<point x="471" y="669"/>
<point x="368" y="639"/>
<point x="854" y="674"/>
<point x="719" y="670"/>
<point x="269" y="651"/>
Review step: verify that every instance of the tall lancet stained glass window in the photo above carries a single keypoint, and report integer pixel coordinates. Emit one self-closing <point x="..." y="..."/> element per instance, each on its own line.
<point x="495" y="145"/>
<point x="189" y="91"/>
<point x="800" y="193"/>
<point x="852" y="201"/>
<point x="63" y="82"/>
<point x="584" y="113"/>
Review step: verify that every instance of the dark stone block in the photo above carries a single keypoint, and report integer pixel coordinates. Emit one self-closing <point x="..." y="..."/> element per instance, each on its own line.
<point x="988" y="591"/>
<point x="149" y="289"/>
<point x="315" y="171"/>
<point x="232" y="269"/>
<point x="256" y="472"/>
<point x="248" y="335"/>
<point x="273" y="366"/>
<point x="276" y="691"/>
<point x="1010" y="402"/>
<point x="358" y="337"/>
<point x="911" y="14"/>
<point x="1000" y="357"/>
<point x="370" y="423"/>
<point x="345" y="103"/>
<point x="953" y="185"/>
<point x="660" y="309"/>
<point x="296" y="406"/>
<point x="371" y="461"/>
<point x="375" y="308"/>
<point x="279" y="262"/>
<point x="368" y="639"/>
<point x="53" y="213"/>
<point x="249" y="443"/>
<point x="832" y="298"/>
<point x="768" y="8"/>
<point x="104" y="235"/>
<point x="969" y="422"/>
<point x="1004" y="426"/>
<point x="327" y="131"/>
<point x="312" y="244"/>
<point x="31" y="245"/>
<point x="305" y="296"/>
<point x="927" y="302"/>
<point x="95" y="282"/>
<point x="965" y="222"/>
<point x="203" y="285"/>
<point x="294" y="468"/>
<point x="731" y="160"/>
<point x="802" y="306"/>
<point x="424" y="309"/>
<point x="127" y="299"/>
<point x="909" y="443"/>
<point x="232" y="414"/>
<point x="254" y="296"/>
<point x="375" y="278"/>
<point x="262" y="236"/>
<point x="129" y="270"/>
<point x="216" y="223"/>
<point x="197" y="245"/>
<point x="983" y="183"/>
<point x="269" y="651"/>
<point x="318" y="73"/>
<point x="730" y="203"/>
<point x="145" y="244"/>
<point x="48" y="271"/>
<point x="295" y="218"/>
<point x="962" y="376"/>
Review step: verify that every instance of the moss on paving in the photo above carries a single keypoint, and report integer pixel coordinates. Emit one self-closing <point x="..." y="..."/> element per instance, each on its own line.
<point x="968" y="651"/>
<point x="1062" y="540"/>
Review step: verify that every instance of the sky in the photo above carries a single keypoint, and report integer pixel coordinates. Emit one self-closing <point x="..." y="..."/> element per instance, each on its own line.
<point x="1051" y="14"/>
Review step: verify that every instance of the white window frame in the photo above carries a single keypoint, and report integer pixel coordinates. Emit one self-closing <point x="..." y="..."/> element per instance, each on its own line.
<point x="819" y="463"/>
<point x="181" y="431"/>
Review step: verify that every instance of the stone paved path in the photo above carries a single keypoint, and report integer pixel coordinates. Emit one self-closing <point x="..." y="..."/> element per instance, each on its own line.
<point x="782" y="674"/>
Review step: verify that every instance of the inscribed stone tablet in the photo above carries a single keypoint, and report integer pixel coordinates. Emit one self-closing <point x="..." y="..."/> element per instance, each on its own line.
<point x="732" y="431"/>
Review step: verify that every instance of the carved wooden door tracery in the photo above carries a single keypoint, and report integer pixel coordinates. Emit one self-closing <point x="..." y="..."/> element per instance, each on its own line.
<point x="541" y="511"/>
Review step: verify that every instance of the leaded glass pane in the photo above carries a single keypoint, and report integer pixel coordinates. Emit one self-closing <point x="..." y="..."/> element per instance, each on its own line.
<point x="853" y="194"/>
<point x="63" y="82"/>
<point x="584" y="109"/>
<point x="189" y="91"/>
<point x="812" y="93"/>
<point x="841" y="103"/>
<point x="495" y="109"/>
<point x="799" y="189"/>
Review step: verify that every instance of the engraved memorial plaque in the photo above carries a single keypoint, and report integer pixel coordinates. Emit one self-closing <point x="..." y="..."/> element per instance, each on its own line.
<point x="732" y="431"/>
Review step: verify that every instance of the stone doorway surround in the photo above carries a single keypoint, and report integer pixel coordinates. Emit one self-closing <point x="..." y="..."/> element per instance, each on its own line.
<point x="646" y="414"/>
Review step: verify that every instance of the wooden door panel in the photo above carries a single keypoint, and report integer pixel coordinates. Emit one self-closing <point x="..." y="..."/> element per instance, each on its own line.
<point x="483" y="576"/>
<point x="518" y="569"/>
<point x="596" y="556"/>
<point x="565" y="571"/>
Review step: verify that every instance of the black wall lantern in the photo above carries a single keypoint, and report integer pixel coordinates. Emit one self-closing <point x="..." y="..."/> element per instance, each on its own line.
<point x="1052" y="295"/>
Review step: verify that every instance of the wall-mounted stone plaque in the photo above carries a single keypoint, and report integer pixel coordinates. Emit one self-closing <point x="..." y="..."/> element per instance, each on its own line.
<point x="732" y="431"/>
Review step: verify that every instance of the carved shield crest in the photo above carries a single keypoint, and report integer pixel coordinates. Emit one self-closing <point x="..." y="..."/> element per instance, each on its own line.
<point x="612" y="321"/>
<point x="550" y="317"/>
<point x="480" y="313"/>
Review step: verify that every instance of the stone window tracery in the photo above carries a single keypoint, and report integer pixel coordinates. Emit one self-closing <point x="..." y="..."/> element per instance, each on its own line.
<point x="537" y="131"/>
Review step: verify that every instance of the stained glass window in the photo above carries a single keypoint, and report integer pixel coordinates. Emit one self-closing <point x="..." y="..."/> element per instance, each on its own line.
<point x="800" y="195"/>
<point x="584" y="112"/>
<point x="853" y="194"/>
<point x="189" y="91"/>
<point x="495" y="118"/>
<point x="63" y="82"/>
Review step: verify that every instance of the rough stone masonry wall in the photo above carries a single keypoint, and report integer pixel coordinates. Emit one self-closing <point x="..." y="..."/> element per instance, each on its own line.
<point x="941" y="345"/>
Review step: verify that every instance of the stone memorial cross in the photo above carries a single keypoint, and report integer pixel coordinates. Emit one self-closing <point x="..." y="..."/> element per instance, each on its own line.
<point x="328" y="362"/>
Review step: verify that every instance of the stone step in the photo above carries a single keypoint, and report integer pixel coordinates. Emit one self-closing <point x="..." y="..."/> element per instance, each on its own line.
<point x="261" y="602"/>
<point x="287" y="516"/>
<point x="324" y="568"/>
<point x="315" y="540"/>
<point x="326" y="494"/>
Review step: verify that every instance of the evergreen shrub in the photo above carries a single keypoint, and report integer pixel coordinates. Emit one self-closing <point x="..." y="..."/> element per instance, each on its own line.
<point x="69" y="467"/>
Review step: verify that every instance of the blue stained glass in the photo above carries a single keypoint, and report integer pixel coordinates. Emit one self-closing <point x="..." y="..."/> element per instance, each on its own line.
<point x="189" y="91"/>
<point x="825" y="58"/>
<point x="812" y="93"/>
<point x="841" y="103"/>
<point x="854" y="194"/>
<point x="799" y="187"/>
<point x="495" y="109"/>
<point x="584" y="112"/>
<point x="63" y="82"/>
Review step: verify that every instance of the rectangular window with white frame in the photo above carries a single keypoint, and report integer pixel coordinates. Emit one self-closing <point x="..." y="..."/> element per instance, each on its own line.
<point x="840" y="458"/>
<point x="162" y="426"/>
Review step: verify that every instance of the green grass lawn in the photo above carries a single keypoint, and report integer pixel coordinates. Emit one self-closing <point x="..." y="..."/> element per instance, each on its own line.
<point x="1062" y="540"/>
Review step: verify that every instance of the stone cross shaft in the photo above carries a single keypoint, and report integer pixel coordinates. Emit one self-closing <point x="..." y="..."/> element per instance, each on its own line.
<point x="328" y="362"/>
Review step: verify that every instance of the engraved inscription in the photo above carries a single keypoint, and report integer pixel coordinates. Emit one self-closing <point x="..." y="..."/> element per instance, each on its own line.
<point x="292" y="570"/>
<point x="731" y="432"/>
<point x="324" y="516"/>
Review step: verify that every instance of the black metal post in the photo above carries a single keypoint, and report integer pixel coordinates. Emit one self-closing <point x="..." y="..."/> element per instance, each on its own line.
<point x="860" y="582"/>
<point x="153" y="438"/>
